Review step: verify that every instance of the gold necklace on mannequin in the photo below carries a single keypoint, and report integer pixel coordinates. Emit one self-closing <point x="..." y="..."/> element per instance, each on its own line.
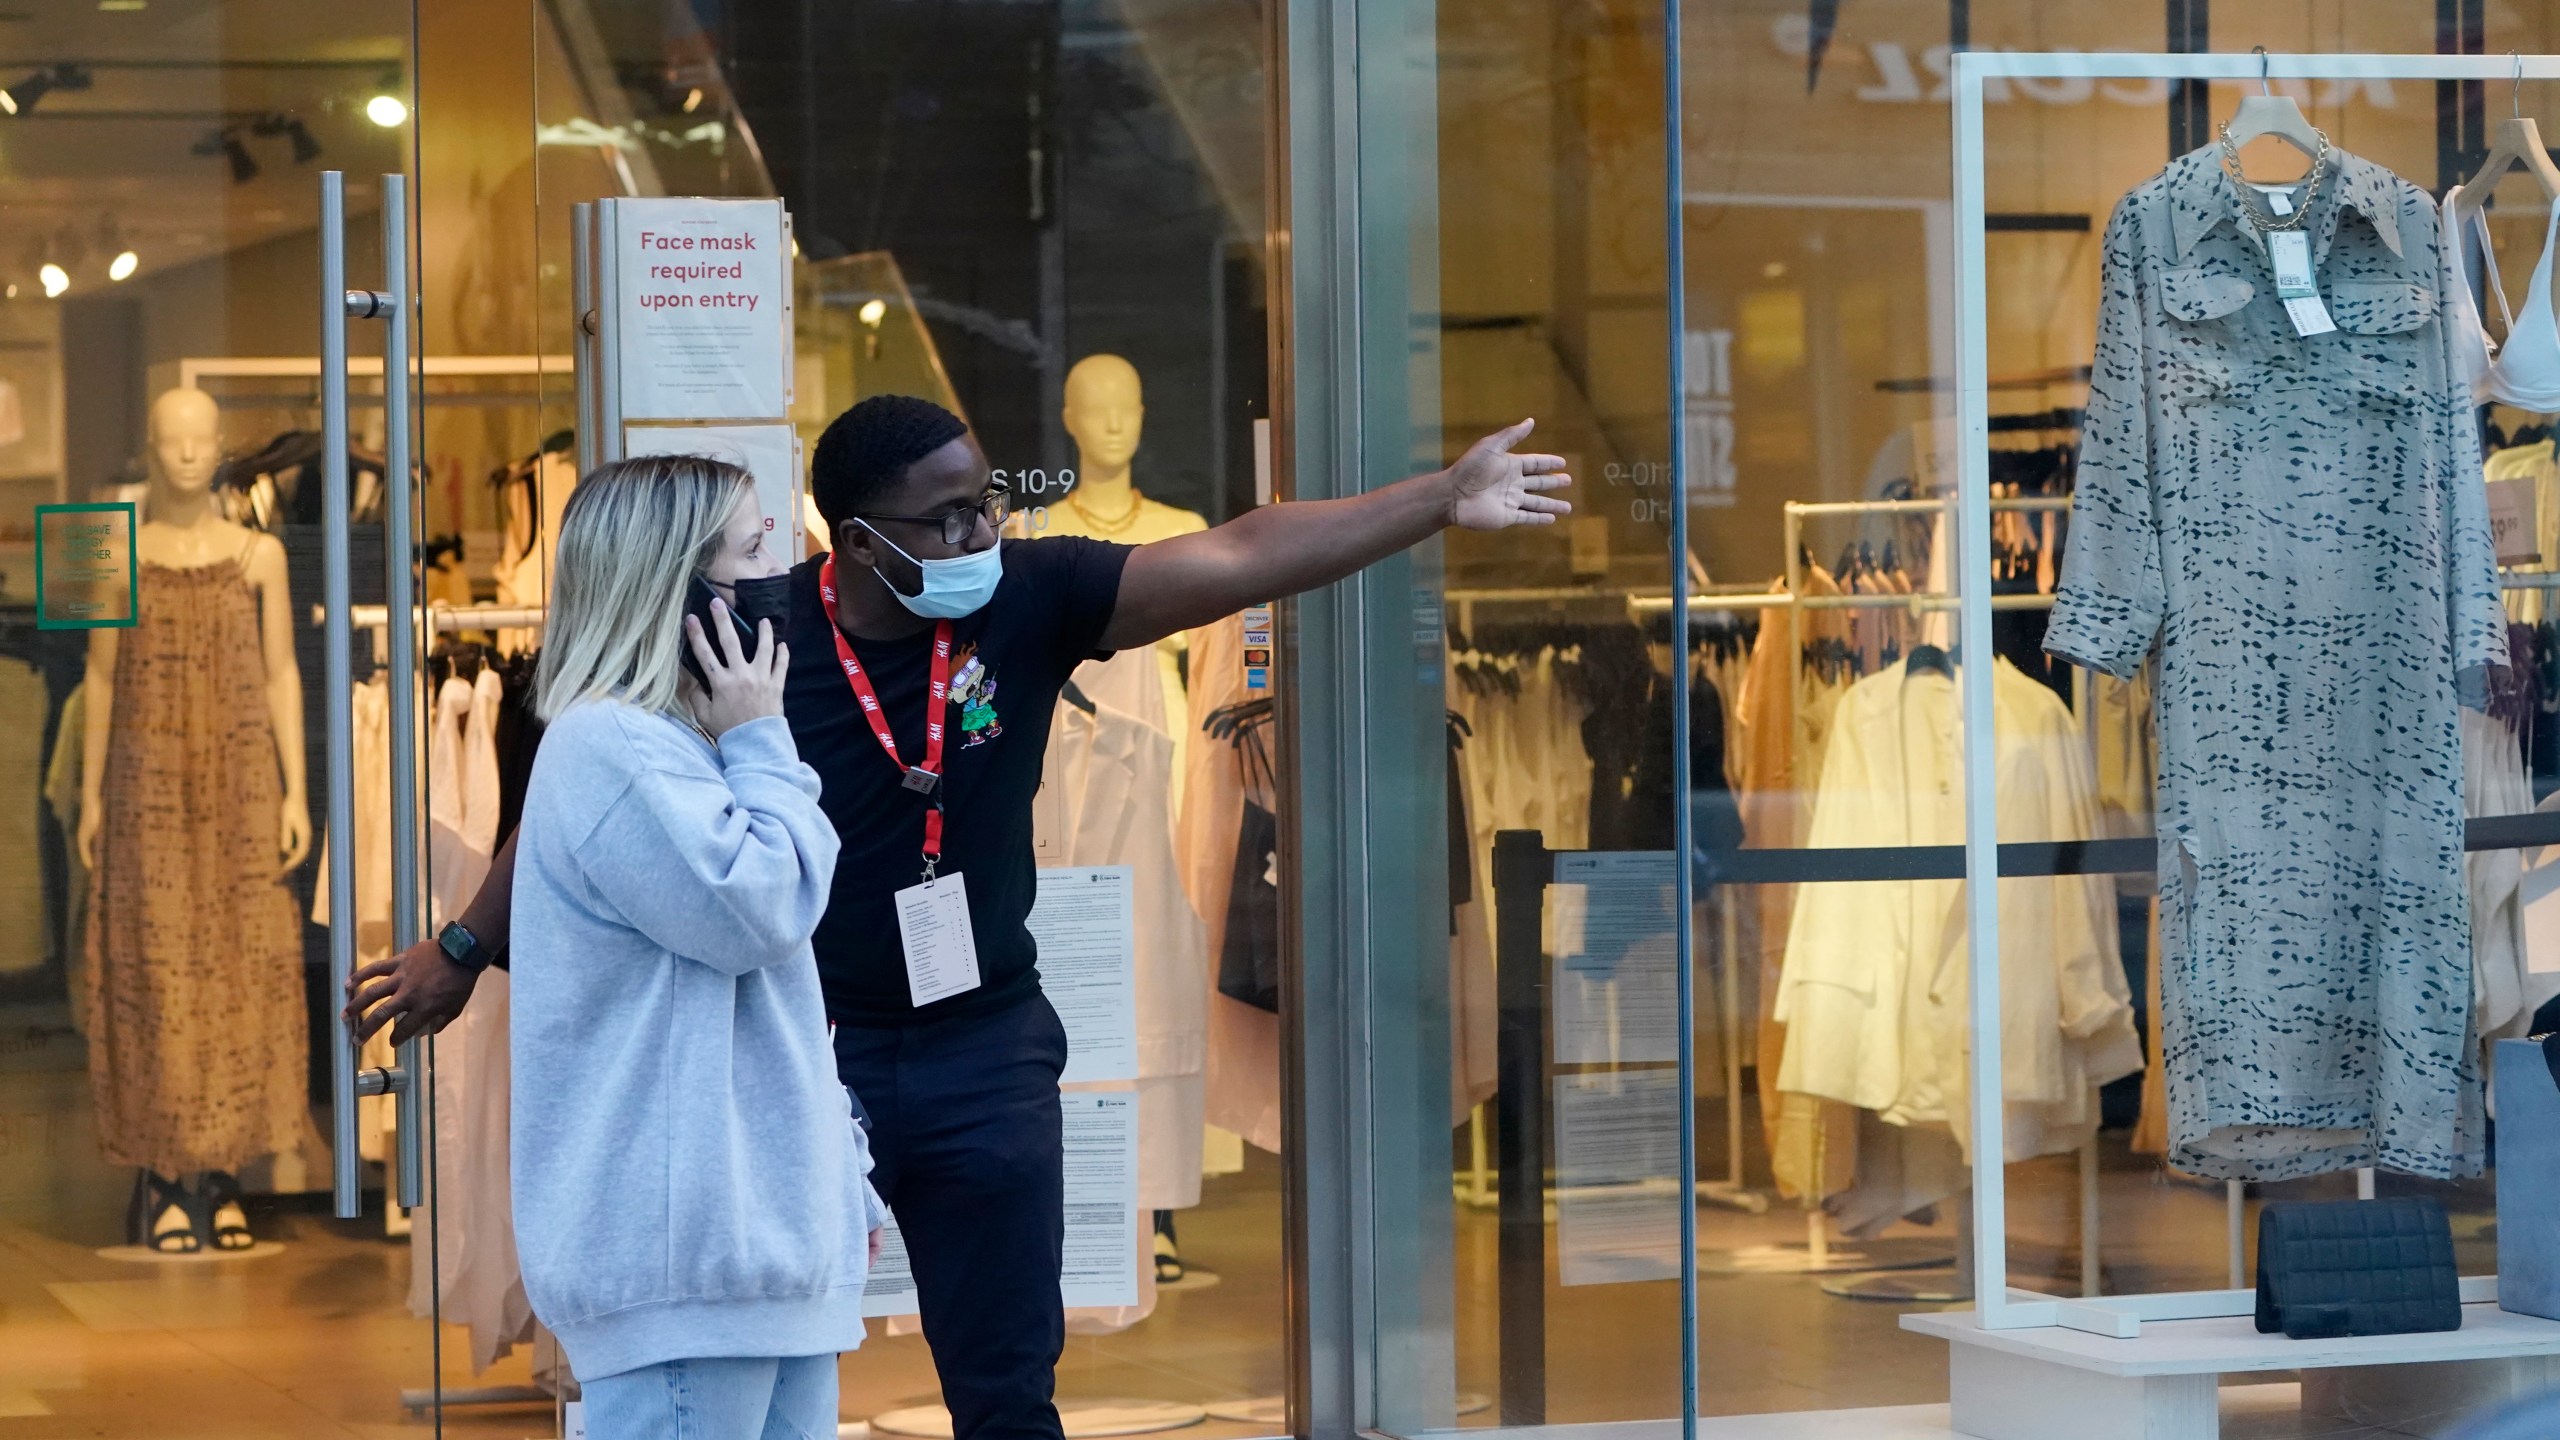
<point x="1118" y="523"/>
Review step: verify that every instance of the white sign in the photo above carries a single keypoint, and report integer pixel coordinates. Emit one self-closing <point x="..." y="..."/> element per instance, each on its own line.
<point x="702" y="309"/>
<point x="1083" y="921"/>
<point x="1102" y="1215"/>
<point x="1617" y="979"/>
<point x="1102" y="1200"/>
<point x="770" y="453"/>
<point x="1618" y="1187"/>
<point x="1706" y="415"/>
<point x="891" y="1290"/>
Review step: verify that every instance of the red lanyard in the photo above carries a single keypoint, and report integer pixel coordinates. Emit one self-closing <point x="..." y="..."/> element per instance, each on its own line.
<point x="925" y="779"/>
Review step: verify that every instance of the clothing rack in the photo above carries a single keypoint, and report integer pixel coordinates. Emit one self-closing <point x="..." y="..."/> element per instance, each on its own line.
<point x="1817" y="1251"/>
<point x="444" y="619"/>
<point x="1475" y="1184"/>
<point x="441" y="620"/>
<point x="192" y="370"/>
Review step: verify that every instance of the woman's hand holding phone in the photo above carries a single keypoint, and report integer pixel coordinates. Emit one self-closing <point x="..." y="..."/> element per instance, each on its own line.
<point x="738" y="689"/>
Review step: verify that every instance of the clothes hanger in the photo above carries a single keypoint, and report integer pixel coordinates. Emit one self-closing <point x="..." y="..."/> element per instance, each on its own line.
<point x="2517" y="144"/>
<point x="2267" y="115"/>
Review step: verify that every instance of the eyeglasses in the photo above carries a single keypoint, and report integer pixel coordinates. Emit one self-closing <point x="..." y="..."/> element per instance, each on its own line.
<point x="959" y="525"/>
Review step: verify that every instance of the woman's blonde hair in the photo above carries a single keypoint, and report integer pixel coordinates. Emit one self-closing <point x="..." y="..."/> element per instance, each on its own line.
<point x="634" y="533"/>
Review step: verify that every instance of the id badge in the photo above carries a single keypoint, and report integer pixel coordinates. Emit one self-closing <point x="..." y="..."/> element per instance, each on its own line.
<point x="942" y="952"/>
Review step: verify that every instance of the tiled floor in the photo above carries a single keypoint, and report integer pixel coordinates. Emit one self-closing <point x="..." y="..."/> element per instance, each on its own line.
<point x="315" y="1340"/>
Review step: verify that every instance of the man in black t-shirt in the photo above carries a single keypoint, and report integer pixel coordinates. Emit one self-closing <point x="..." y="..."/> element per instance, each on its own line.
<point x="955" y="1066"/>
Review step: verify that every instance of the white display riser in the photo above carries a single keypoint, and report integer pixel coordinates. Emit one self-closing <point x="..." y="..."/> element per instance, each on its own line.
<point x="2264" y="1411"/>
<point x="2037" y="1384"/>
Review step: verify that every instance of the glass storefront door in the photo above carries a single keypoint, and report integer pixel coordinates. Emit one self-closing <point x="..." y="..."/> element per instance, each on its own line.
<point x="170" y="1258"/>
<point x="1512" y="225"/>
<point x="1049" y="219"/>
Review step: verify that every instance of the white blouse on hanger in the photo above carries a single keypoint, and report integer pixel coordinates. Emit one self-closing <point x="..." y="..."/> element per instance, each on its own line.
<point x="1873" y="992"/>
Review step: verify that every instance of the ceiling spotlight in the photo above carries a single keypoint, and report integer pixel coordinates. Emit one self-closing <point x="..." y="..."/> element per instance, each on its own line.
<point x="873" y="311"/>
<point x="693" y="99"/>
<point x="55" y="278"/>
<point x="306" y="146"/>
<point x="387" y="111"/>
<point x="122" y="267"/>
<point x="24" y="96"/>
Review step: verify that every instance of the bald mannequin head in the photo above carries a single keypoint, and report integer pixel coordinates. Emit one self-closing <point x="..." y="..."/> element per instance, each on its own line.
<point x="186" y="438"/>
<point x="1105" y="412"/>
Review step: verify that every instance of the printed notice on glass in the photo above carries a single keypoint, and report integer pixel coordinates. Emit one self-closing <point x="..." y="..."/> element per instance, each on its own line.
<point x="1083" y="921"/>
<point x="702" y="311"/>
<point x="1617" y="977"/>
<point x="85" y="571"/>
<point x="770" y="453"/>
<point x="2513" y="526"/>
<point x="1102" y="1200"/>
<point x="1618" y="1192"/>
<point x="891" y="1289"/>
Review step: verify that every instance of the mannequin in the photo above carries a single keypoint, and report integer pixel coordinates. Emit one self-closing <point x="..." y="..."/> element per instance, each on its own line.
<point x="1106" y="415"/>
<point x="193" y="810"/>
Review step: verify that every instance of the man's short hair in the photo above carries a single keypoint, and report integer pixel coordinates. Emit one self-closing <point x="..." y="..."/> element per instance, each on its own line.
<point x="867" y="449"/>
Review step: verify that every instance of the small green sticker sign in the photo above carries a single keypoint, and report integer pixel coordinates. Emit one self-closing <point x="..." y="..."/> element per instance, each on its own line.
<point x="86" y="578"/>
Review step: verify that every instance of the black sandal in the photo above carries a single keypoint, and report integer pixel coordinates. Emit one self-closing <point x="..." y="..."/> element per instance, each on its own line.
<point x="222" y="1192"/>
<point x="153" y="1199"/>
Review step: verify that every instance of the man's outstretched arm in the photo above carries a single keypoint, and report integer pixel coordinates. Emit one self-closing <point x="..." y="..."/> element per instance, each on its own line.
<point x="421" y="988"/>
<point x="1276" y="550"/>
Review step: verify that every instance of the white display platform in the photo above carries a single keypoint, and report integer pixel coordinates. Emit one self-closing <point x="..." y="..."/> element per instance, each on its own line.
<point x="2249" y="1412"/>
<point x="2035" y="1384"/>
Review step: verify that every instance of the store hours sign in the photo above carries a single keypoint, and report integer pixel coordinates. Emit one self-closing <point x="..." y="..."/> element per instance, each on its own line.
<point x="702" y="309"/>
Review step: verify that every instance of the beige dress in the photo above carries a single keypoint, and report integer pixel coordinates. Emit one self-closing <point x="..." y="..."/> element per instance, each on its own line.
<point x="197" y="1030"/>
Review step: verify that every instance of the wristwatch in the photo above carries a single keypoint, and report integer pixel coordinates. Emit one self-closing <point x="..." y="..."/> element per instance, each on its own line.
<point x="464" y="948"/>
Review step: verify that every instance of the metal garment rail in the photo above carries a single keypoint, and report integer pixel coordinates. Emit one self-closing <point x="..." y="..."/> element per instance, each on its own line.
<point x="1523" y="868"/>
<point x="1969" y="71"/>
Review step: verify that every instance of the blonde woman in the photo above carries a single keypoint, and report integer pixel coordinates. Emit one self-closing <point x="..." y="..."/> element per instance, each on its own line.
<point x="690" y="1201"/>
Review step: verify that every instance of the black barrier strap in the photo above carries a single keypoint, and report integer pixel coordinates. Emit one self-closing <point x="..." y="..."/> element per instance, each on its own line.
<point x="2024" y="859"/>
<point x="1522" y="867"/>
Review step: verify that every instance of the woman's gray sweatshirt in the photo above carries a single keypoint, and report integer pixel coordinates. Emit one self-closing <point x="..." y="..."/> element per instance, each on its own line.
<point x="689" y="1180"/>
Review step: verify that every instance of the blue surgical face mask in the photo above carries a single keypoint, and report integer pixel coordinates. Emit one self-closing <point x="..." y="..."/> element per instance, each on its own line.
<point x="959" y="586"/>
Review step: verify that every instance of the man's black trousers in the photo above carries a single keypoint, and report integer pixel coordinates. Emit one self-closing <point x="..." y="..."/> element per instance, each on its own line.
<point x="968" y="1152"/>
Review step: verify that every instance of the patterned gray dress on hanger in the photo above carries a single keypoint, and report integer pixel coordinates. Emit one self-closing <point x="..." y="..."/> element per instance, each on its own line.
<point x="2297" y="525"/>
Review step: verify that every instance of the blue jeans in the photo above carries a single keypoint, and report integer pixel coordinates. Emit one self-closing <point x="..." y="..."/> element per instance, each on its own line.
<point x="793" y="1398"/>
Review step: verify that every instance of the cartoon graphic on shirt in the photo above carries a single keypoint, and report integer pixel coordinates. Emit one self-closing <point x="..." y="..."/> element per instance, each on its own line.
<point x="973" y="689"/>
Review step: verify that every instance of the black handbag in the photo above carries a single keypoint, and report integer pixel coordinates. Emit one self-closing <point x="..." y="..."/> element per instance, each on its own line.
<point x="2356" y="1267"/>
<point x="1249" y="961"/>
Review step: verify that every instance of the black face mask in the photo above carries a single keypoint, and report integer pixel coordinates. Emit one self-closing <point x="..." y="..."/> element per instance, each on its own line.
<point x="765" y="597"/>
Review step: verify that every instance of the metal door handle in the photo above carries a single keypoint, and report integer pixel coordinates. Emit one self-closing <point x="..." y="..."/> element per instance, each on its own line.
<point x="337" y="305"/>
<point x="401" y="599"/>
<point x="337" y="667"/>
<point x="582" y="302"/>
<point x="604" y="286"/>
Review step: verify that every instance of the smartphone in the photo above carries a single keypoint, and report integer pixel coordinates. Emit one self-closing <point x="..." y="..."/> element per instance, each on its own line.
<point x="697" y="603"/>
